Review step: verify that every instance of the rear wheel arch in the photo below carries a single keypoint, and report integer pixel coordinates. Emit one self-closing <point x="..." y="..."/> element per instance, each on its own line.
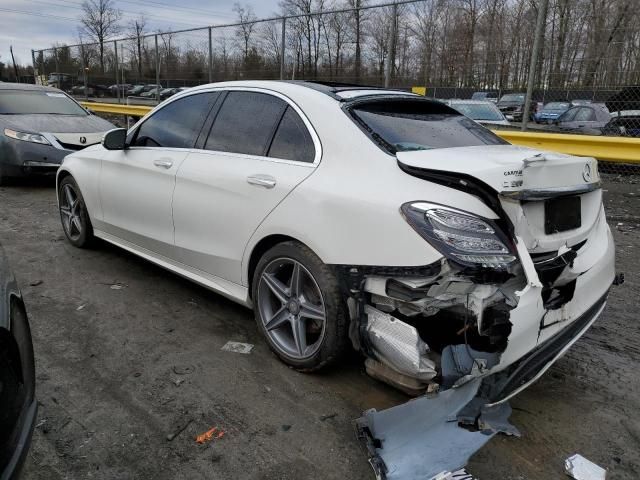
<point x="259" y="249"/>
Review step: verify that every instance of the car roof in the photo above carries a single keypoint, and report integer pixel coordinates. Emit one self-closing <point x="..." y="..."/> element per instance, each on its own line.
<point x="295" y="88"/>
<point x="27" y="87"/>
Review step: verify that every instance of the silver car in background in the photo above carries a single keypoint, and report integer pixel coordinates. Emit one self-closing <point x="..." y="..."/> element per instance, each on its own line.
<point x="39" y="126"/>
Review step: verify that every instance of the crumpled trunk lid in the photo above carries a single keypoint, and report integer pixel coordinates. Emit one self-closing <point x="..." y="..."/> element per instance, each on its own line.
<point x="526" y="183"/>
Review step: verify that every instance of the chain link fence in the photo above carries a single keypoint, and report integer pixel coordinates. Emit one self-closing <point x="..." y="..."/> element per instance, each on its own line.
<point x="587" y="75"/>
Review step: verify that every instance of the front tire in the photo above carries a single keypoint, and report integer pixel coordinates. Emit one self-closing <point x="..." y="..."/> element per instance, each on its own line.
<point x="73" y="214"/>
<point x="299" y="307"/>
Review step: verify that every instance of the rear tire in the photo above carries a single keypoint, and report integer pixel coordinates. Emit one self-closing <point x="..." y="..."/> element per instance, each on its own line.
<point x="305" y="320"/>
<point x="74" y="215"/>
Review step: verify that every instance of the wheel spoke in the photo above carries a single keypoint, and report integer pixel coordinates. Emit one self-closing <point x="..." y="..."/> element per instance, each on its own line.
<point x="280" y="318"/>
<point x="296" y="278"/>
<point x="299" y="327"/>
<point x="76" y="223"/>
<point x="280" y="290"/>
<point x="69" y="194"/>
<point x="65" y="211"/>
<point x="311" y="311"/>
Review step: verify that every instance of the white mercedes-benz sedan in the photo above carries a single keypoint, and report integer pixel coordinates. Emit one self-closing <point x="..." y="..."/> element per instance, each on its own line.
<point x="358" y="216"/>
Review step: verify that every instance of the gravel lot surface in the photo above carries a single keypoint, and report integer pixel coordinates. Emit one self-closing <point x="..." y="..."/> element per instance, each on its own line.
<point x="128" y="354"/>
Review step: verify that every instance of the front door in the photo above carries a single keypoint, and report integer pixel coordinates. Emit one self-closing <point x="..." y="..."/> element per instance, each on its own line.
<point x="137" y="184"/>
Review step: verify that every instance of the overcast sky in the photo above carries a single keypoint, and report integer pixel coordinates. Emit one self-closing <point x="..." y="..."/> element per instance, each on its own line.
<point x="36" y="24"/>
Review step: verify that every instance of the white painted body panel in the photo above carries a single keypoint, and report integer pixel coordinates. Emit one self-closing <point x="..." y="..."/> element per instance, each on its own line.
<point x="201" y="218"/>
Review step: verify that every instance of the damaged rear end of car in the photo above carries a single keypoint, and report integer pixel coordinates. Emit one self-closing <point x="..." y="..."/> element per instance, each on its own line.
<point x="510" y="294"/>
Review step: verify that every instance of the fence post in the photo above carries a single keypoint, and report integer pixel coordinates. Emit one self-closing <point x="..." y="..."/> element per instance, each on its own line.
<point x="391" y="57"/>
<point x="157" y="70"/>
<point x="537" y="46"/>
<point x="55" y="53"/>
<point x="282" y="46"/>
<point x="85" y="72"/>
<point x="35" y="72"/>
<point x="115" y="50"/>
<point x="210" y="57"/>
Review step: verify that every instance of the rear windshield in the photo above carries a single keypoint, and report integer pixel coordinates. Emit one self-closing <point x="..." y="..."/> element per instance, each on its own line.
<point x="22" y="102"/>
<point x="479" y="111"/>
<point x="399" y="126"/>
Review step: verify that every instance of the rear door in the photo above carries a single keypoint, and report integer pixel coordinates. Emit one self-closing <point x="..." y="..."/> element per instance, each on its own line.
<point x="258" y="148"/>
<point x="136" y="184"/>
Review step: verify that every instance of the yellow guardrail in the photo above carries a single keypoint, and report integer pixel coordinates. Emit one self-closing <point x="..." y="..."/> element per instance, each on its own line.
<point x="117" y="108"/>
<point x="609" y="149"/>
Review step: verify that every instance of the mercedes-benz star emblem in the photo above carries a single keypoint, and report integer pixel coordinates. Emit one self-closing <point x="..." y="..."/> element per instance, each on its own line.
<point x="83" y="140"/>
<point x="586" y="173"/>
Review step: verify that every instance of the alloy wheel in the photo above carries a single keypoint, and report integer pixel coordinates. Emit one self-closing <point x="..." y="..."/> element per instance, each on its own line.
<point x="71" y="210"/>
<point x="291" y="308"/>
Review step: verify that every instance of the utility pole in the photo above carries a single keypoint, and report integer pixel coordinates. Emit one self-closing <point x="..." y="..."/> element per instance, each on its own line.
<point x="157" y="71"/>
<point x="391" y="57"/>
<point x="210" y="66"/>
<point x="15" y="67"/>
<point x="537" y="46"/>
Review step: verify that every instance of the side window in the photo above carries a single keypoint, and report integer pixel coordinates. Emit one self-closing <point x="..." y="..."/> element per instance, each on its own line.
<point x="245" y="123"/>
<point x="177" y="124"/>
<point x="292" y="140"/>
<point x="569" y="115"/>
<point x="585" y="114"/>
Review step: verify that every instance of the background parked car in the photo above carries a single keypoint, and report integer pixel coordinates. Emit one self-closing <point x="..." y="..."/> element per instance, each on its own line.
<point x="39" y="126"/>
<point x="512" y="106"/>
<point x="587" y="119"/>
<point x="168" y="92"/>
<point x="577" y="102"/>
<point x="123" y="87"/>
<point x="551" y="111"/>
<point x="490" y="96"/>
<point x="136" y="90"/>
<point x="92" y="90"/>
<point x="624" y="124"/>
<point x="18" y="405"/>
<point x="482" y="111"/>
<point x="151" y="93"/>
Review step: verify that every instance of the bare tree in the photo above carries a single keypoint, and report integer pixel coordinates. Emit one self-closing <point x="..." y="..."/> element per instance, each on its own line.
<point x="100" y="21"/>
<point x="245" y="18"/>
<point x="136" y="29"/>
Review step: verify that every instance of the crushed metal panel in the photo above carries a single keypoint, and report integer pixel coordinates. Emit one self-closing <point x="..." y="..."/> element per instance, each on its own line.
<point x="421" y="439"/>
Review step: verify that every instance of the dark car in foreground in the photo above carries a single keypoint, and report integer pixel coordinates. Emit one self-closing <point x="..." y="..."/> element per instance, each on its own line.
<point x="18" y="405"/>
<point x="39" y="126"/>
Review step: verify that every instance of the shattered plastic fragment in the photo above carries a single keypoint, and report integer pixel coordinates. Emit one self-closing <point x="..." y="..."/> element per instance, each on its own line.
<point x="238" y="347"/>
<point x="579" y="468"/>
<point x="418" y="440"/>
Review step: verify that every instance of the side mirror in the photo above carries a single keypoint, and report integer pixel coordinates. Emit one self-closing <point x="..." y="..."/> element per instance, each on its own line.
<point x="115" y="139"/>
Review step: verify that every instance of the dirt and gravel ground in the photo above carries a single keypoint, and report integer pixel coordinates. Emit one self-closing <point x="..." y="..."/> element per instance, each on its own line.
<point x="128" y="354"/>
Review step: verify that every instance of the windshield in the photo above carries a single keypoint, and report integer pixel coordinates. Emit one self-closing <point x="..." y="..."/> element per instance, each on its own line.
<point x="399" y="126"/>
<point x="556" y="106"/>
<point x="513" y="97"/>
<point x="479" y="111"/>
<point x="24" y="102"/>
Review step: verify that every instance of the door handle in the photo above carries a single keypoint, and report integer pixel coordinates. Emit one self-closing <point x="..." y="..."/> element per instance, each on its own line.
<point x="163" y="163"/>
<point x="266" y="181"/>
